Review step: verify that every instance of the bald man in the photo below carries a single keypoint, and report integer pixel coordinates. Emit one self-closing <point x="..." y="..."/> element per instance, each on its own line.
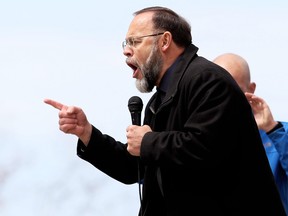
<point x="273" y="133"/>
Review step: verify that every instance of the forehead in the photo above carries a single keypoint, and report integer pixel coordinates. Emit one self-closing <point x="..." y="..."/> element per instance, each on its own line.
<point x="141" y="24"/>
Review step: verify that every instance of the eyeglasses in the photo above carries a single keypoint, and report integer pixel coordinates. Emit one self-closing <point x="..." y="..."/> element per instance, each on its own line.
<point x="132" y="41"/>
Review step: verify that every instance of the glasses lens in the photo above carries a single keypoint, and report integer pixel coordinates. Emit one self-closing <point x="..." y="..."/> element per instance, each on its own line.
<point x="124" y="44"/>
<point x="129" y="42"/>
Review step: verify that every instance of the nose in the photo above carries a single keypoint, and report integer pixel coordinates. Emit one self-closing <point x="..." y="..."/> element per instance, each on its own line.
<point x="127" y="51"/>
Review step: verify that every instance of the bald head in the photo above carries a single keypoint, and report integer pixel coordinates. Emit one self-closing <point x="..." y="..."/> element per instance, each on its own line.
<point x="238" y="68"/>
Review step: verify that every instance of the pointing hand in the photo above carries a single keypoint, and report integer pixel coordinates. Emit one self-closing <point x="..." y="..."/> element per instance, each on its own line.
<point x="72" y="120"/>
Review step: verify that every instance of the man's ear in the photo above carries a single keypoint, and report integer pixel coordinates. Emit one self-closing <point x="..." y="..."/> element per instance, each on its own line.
<point x="166" y="40"/>
<point x="252" y="87"/>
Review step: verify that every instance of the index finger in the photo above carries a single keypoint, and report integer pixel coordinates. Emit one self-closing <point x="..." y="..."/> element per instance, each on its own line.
<point x="53" y="103"/>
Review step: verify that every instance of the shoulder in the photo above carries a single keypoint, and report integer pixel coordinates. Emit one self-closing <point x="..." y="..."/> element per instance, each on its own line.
<point x="285" y="125"/>
<point x="204" y="71"/>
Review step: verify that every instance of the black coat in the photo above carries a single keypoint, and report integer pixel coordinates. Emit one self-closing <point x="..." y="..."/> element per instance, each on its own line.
<point x="204" y="156"/>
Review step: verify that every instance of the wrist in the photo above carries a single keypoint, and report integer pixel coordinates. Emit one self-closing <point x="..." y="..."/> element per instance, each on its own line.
<point x="85" y="138"/>
<point x="275" y="127"/>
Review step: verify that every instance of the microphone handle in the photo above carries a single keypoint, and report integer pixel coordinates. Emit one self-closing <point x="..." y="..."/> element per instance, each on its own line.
<point x="136" y="118"/>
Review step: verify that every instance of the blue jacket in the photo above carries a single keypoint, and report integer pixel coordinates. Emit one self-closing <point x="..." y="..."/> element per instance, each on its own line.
<point x="276" y="146"/>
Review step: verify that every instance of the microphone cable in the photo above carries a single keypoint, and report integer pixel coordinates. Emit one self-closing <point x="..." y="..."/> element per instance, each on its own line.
<point x="139" y="188"/>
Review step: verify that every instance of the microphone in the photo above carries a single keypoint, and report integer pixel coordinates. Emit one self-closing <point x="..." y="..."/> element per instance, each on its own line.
<point x="135" y="106"/>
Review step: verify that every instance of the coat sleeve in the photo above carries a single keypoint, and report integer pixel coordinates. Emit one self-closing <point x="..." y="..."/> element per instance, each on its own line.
<point x="279" y="138"/>
<point x="109" y="156"/>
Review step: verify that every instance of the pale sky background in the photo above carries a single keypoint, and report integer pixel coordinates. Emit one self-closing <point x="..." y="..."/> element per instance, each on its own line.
<point x="71" y="51"/>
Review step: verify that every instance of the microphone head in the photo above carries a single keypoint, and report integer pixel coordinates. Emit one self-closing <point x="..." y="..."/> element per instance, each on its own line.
<point x="135" y="104"/>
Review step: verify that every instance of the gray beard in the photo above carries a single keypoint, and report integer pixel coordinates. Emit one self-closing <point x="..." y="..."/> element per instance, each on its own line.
<point x="150" y="70"/>
<point x="142" y="85"/>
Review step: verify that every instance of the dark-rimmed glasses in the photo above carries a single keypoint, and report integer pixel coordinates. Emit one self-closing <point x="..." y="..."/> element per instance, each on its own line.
<point x="132" y="41"/>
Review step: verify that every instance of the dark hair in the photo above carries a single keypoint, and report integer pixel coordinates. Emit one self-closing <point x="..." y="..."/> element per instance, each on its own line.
<point x="167" y="20"/>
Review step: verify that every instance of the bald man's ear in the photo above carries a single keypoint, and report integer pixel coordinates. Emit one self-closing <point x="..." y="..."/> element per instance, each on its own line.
<point x="252" y="87"/>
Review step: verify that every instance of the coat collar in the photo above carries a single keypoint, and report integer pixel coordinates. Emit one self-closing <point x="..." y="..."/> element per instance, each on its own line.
<point x="177" y="73"/>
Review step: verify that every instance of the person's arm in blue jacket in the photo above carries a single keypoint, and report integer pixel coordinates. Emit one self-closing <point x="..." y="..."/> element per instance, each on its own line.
<point x="276" y="131"/>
